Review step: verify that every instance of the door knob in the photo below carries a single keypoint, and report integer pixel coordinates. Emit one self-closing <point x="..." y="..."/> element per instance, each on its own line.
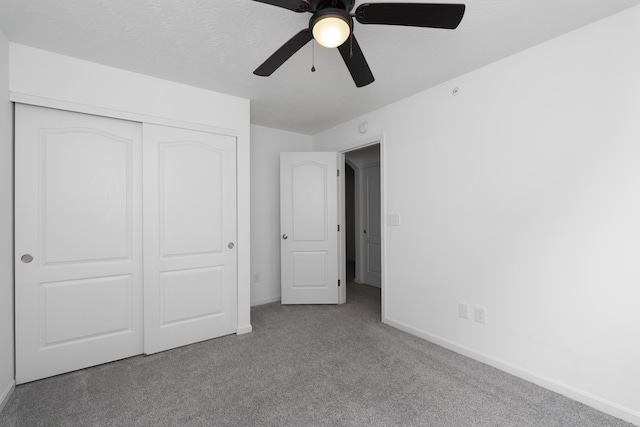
<point x="365" y="231"/>
<point x="230" y="245"/>
<point x="285" y="237"/>
<point x="26" y="258"/>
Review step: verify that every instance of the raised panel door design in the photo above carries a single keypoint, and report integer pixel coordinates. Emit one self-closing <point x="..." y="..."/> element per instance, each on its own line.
<point x="87" y="201"/>
<point x="309" y="269"/>
<point x="372" y="181"/>
<point x="65" y="307"/>
<point x="189" y="222"/>
<point x="191" y="295"/>
<point x="308" y="228"/>
<point x="309" y="202"/>
<point x="190" y="285"/>
<point x="374" y="259"/>
<point x="78" y="215"/>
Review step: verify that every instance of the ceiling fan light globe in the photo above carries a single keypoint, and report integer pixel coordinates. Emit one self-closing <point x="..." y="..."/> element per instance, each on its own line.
<point x="331" y="30"/>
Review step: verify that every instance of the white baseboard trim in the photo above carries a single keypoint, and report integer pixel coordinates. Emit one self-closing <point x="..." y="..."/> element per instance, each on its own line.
<point x="6" y="394"/>
<point x="244" y="329"/>
<point x="597" y="402"/>
<point x="263" y="301"/>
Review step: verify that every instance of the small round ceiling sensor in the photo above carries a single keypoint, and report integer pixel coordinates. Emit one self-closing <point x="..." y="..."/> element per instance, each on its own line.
<point x="364" y="127"/>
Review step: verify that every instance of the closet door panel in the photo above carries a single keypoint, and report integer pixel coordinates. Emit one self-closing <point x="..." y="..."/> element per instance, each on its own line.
<point x="189" y="238"/>
<point x="78" y="241"/>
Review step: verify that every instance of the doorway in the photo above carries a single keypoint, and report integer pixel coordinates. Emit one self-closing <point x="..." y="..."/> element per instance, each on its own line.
<point x="362" y="208"/>
<point x="307" y="182"/>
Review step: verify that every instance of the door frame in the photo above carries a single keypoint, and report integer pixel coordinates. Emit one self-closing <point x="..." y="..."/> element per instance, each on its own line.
<point x="342" y="243"/>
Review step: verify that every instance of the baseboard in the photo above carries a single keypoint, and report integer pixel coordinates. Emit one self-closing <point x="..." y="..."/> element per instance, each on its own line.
<point x="6" y="394"/>
<point x="244" y="329"/>
<point x="581" y="396"/>
<point x="265" y="301"/>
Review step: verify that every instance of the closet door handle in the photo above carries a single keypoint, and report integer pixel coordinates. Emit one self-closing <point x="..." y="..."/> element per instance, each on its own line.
<point x="285" y="237"/>
<point x="26" y="258"/>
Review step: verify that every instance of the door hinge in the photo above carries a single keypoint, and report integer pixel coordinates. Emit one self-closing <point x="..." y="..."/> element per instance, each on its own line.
<point x="338" y="172"/>
<point x="338" y="227"/>
<point x="338" y="283"/>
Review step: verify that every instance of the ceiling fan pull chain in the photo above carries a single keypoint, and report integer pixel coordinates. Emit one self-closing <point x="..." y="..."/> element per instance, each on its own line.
<point x="313" y="56"/>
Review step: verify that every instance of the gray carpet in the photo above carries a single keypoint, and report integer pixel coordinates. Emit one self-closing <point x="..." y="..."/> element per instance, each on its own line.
<point x="302" y="366"/>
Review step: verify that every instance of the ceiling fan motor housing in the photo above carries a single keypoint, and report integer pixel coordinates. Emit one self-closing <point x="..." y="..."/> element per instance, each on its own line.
<point x="316" y="5"/>
<point x="330" y="12"/>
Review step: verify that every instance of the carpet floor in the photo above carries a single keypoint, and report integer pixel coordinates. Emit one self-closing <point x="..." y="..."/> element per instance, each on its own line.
<point x="302" y="366"/>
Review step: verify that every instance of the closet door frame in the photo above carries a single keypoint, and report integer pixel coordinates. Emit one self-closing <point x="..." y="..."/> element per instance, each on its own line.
<point x="243" y="262"/>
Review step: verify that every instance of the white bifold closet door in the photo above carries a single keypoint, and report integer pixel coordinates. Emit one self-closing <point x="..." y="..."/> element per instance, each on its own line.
<point x="78" y="243"/>
<point x="82" y="183"/>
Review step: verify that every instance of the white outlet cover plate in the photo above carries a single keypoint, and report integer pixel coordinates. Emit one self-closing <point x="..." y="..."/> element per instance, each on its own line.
<point x="463" y="310"/>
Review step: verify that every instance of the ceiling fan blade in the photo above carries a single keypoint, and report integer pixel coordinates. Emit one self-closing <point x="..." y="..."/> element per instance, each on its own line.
<point x="355" y="61"/>
<point x="285" y="52"/>
<point x="433" y="15"/>
<point x="295" y="5"/>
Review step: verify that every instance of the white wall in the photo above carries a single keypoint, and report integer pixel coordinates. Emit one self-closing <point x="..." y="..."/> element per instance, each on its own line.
<point x="266" y="146"/>
<point x="522" y="195"/>
<point x="49" y="79"/>
<point x="6" y="227"/>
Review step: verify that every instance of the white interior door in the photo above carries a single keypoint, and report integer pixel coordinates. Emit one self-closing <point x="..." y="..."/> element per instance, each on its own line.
<point x="78" y="241"/>
<point x="190" y="262"/>
<point x="309" y="228"/>
<point x="371" y="233"/>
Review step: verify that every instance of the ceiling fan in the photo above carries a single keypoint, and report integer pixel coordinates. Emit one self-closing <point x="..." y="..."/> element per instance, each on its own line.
<point x="331" y="25"/>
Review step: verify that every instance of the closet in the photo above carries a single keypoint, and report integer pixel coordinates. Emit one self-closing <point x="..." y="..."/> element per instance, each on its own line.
<point x="125" y="239"/>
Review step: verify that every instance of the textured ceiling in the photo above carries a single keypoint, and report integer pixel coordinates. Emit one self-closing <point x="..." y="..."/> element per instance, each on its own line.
<point x="216" y="45"/>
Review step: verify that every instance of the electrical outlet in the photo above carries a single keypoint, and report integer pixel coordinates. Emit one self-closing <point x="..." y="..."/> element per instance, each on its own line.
<point x="481" y="314"/>
<point x="463" y="310"/>
<point x="256" y="277"/>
